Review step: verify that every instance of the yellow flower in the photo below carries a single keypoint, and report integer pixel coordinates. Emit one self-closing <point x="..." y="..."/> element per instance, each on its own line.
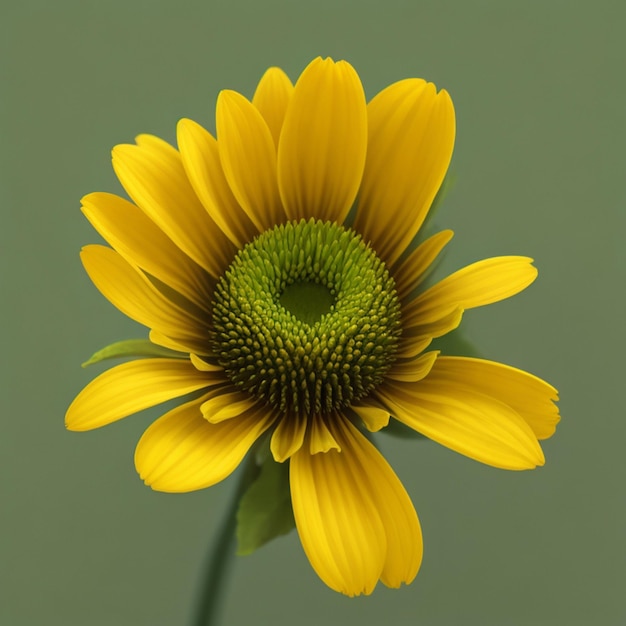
<point x="296" y="316"/>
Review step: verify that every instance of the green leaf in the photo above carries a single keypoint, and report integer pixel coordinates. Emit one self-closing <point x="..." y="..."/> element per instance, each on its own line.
<point x="265" y="509"/>
<point x="455" y="344"/>
<point x="133" y="348"/>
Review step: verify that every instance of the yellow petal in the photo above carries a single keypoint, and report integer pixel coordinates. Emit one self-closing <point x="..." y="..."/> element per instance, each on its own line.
<point x="412" y="370"/>
<point x="225" y="403"/>
<point x="160" y="339"/>
<point x="416" y="337"/>
<point x="321" y="438"/>
<point x="141" y="242"/>
<point x="404" y="535"/>
<point x="183" y="452"/>
<point x="409" y="347"/>
<point x="478" y="284"/>
<point x="322" y="147"/>
<point x="135" y="296"/>
<point x="530" y="396"/>
<point x="411" y="137"/>
<point x="132" y="387"/>
<point x="248" y="157"/>
<point x="288" y="437"/>
<point x="338" y="521"/>
<point x="374" y="417"/>
<point x="271" y="98"/>
<point x="414" y="269"/>
<point x="153" y="175"/>
<point x="201" y="159"/>
<point x="203" y="366"/>
<point x="469" y="422"/>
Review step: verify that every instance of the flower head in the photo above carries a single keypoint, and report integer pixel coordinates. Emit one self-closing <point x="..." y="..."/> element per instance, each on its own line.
<point x="274" y="265"/>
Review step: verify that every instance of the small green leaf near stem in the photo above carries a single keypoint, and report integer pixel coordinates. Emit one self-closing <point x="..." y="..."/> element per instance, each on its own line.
<point x="265" y="510"/>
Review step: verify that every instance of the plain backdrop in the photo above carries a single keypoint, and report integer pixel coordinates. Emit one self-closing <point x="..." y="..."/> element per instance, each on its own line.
<point x="540" y="98"/>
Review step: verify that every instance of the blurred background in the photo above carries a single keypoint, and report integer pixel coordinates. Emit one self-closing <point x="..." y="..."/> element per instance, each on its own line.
<point x="539" y="163"/>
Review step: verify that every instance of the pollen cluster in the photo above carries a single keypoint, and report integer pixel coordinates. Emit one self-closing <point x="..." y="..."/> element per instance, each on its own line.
<point x="306" y="318"/>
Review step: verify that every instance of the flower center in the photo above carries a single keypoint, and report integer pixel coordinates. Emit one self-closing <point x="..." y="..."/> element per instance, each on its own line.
<point x="306" y="318"/>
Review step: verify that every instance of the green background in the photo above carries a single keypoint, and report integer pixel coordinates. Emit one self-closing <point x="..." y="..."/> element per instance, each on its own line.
<point x="540" y="98"/>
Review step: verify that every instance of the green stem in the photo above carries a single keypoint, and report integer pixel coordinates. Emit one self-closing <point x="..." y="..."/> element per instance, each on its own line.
<point x="211" y="593"/>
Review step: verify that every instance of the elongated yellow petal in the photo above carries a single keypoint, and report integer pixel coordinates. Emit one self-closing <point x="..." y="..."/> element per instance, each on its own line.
<point x="409" y="347"/>
<point x="404" y="535"/>
<point x="248" y="157"/>
<point x="154" y="177"/>
<point x="132" y="387"/>
<point x="321" y="153"/>
<point x="478" y="284"/>
<point x="226" y="403"/>
<point x="471" y="423"/>
<point x="288" y="437"/>
<point x="411" y="137"/>
<point x="141" y="242"/>
<point x="321" y="438"/>
<point x="201" y="159"/>
<point x="338" y="521"/>
<point x="413" y="370"/>
<point x="530" y="396"/>
<point x="271" y="98"/>
<point x="203" y="365"/>
<point x="183" y="452"/>
<point x="160" y="339"/>
<point x="414" y="269"/>
<point x="417" y="337"/>
<point x="135" y="296"/>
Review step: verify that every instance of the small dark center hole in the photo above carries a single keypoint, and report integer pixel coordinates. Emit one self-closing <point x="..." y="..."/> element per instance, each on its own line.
<point x="308" y="301"/>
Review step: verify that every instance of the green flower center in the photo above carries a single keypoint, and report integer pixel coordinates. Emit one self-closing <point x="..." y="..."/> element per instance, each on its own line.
<point x="306" y="318"/>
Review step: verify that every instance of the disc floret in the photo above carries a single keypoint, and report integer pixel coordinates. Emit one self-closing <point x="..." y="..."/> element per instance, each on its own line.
<point x="307" y="318"/>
